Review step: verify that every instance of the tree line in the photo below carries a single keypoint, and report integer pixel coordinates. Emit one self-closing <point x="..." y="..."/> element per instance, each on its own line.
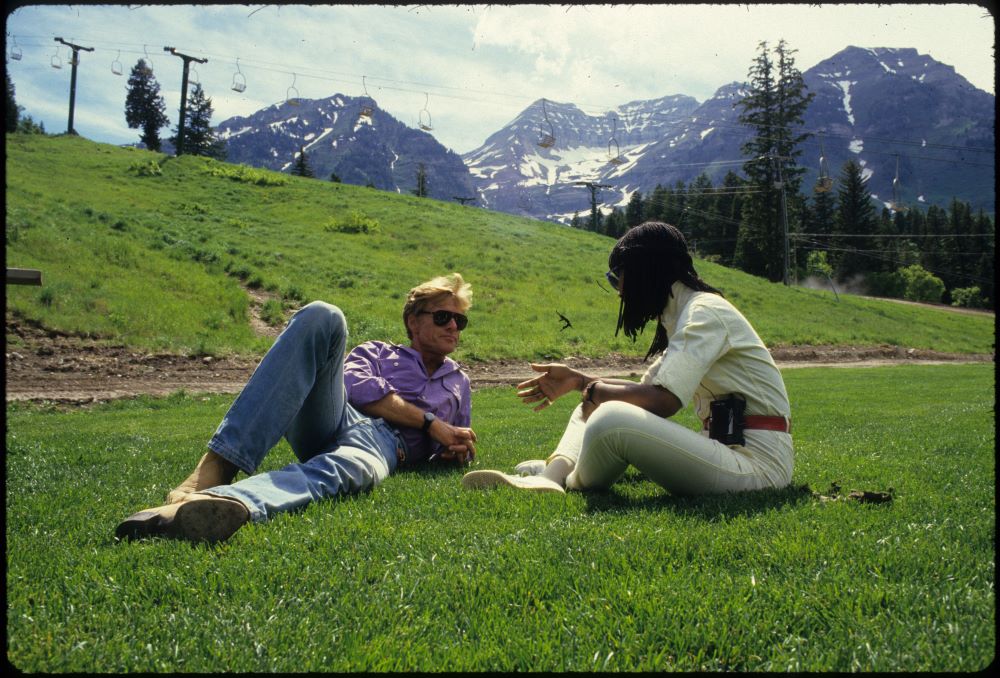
<point x="835" y="233"/>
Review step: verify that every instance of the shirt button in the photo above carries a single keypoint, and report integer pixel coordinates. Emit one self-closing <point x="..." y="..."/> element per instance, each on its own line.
<point x="395" y="364"/>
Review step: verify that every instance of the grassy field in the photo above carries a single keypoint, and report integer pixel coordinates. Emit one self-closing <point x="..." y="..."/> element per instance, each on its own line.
<point x="154" y="252"/>
<point x="422" y="575"/>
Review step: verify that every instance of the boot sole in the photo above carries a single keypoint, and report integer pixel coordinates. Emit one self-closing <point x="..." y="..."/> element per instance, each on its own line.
<point x="478" y="480"/>
<point x="209" y="520"/>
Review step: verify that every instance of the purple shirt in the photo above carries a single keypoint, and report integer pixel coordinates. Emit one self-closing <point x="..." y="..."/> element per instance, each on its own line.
<point x="375" y="369"/>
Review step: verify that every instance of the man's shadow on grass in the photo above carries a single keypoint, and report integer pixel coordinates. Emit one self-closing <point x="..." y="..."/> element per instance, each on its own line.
<point x="626" y="496"/>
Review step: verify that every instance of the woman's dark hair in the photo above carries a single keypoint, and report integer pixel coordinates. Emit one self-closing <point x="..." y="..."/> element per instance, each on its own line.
<point x="653" y="256"/>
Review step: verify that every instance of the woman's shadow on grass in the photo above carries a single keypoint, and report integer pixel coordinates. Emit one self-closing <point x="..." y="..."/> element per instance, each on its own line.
<point x="632" y="493"/>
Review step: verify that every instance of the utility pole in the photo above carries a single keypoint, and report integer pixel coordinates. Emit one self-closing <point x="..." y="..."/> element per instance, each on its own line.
<point x="184" y="89"/>
<point x="593" y="200"/>
<point x="780" y="184"/>
<point x="72" y="79"/>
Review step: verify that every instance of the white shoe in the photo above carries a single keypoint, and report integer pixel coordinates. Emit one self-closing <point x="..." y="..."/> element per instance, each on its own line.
<point x="531" y="467"/>
<point x="482" y="479"/>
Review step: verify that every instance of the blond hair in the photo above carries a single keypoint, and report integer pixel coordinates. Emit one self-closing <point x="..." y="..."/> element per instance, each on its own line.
<point x="434" y="290"/>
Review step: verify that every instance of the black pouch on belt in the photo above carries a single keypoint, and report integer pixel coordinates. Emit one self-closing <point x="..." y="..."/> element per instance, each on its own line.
<point x="726" y="424"/>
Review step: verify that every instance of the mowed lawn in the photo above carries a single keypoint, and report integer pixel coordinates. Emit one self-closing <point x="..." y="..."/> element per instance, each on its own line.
<point x="421" y="575"/>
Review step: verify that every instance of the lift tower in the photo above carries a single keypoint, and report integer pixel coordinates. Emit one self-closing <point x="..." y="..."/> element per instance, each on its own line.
<point x="594" y="225"/>
<point x="72" y="79"/>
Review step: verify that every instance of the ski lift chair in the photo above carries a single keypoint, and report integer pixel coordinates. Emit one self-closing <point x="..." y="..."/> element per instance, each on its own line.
<point x="824" y="183"/>
<point x="147" y="63"/>
<point x="116" y="65"/>
<point x="367" y="103"/>
<point x="239" y="81"/>
<point x="547" y="139"/>
<point x="426" y="126"/>
<point x="15" y="51"/>
<point x="615" y="158"/>
<point x="292" y="94"/>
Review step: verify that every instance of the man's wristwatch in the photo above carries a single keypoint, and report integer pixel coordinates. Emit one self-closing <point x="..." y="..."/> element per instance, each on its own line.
<point x="428" y="420"/>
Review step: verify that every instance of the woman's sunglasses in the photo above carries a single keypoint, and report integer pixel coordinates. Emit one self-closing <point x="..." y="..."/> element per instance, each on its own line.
<point x="612" y="277"/>
<point x="442" y="318"/>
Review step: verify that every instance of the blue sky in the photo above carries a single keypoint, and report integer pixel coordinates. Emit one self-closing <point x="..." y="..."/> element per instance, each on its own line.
<point x="474" y="67"/>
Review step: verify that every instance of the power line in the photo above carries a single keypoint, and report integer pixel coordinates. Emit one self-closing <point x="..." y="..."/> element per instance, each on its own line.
<point x="897" y="235"/>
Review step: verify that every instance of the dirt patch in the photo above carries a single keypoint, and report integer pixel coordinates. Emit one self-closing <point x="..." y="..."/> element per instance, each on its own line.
<point x="47" y="365"/>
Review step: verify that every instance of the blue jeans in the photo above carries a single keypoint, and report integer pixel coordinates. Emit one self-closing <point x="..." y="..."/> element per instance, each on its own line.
<point x="297" y="391"/>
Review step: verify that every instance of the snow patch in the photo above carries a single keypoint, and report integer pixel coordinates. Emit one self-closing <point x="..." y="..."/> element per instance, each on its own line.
<point x="845" y="86"/>
<point x="920" y="198"/>
<point x="856" y="146"/>
<point x="710" y="129"/>
<point x="229" y="134"/>
<point x="363" y="120"/>
<point x="866" y="174"/>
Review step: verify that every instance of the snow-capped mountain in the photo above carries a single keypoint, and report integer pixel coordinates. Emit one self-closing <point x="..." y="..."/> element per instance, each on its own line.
<point x="349" y="136"/>
<point x="515" y="174"/>
<point x="872" y="105"/>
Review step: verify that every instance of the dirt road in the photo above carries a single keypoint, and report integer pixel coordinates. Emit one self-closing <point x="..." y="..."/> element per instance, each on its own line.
<point x="49" y="366"/>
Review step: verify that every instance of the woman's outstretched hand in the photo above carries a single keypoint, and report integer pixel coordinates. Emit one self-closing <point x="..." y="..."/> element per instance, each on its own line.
<point x="555" y="381"/>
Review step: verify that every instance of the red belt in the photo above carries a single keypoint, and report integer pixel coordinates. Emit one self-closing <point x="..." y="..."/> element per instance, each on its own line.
<point x="761" y="422"/>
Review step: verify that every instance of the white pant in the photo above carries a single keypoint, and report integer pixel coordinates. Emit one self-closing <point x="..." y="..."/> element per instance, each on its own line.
<point x="671" y="455"/>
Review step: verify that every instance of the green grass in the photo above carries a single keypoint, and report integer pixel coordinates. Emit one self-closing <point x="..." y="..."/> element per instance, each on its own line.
<point x="422" y="575"/>
<point x="151" y="251"/>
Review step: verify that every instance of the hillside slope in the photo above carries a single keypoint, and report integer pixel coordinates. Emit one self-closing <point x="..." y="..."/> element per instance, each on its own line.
<point x="158" y="253"/>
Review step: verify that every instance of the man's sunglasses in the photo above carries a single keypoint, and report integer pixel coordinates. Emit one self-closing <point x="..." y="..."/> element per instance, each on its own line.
<point x="442" y="318"/>
<point x="612" y="277"/>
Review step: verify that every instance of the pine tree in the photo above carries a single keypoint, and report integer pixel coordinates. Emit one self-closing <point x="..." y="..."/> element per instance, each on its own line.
<point x="855" y="216"/>
<point x="12" y="109"/>
<point x="633" y="211"/>
<point x="300" y="167"/>
<point x="421" y="190"/>
<point x="774" y="105"/>
<point x="729" y="208"/>
<point x="199" y="138"/>
<point x="144" y="106"/>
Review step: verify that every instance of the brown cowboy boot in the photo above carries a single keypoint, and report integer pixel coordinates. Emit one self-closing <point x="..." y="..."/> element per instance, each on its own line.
<point x="199" y="517"/>
<point x="212" y="470"/>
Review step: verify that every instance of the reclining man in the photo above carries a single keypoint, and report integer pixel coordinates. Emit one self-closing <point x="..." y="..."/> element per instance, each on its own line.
<point x="350" y="423"/>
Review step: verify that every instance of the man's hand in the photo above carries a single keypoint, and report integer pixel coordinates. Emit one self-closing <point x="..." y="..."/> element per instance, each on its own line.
<point x="459" y="442"/>
<point x="555" y="381"/>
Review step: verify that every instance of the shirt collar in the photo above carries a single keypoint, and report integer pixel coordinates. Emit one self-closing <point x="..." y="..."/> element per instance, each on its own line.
<point x="679" y="296"/>
<point x="447" y="367"/>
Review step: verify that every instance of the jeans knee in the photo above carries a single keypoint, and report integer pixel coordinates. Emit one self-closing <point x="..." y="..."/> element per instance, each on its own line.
<point x="319" y="315"/>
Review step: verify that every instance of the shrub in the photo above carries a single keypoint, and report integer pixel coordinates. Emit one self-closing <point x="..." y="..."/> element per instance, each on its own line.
<point x="921" y="284"/>
<point x="355" y="222"/>
<point x="968" y="297"/>
<point x="150" y="168"/>
<point x="272" y="312"/>
<point x="246" y="174"/>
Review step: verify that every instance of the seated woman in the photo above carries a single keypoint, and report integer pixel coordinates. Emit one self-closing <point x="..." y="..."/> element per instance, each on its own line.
<point x="349" y="423"/>
<point x="708" y="354"/>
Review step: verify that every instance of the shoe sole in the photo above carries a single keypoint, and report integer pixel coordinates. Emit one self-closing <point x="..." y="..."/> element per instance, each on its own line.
<point x="209" y="520"/>
<point x="478" y="480"/>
